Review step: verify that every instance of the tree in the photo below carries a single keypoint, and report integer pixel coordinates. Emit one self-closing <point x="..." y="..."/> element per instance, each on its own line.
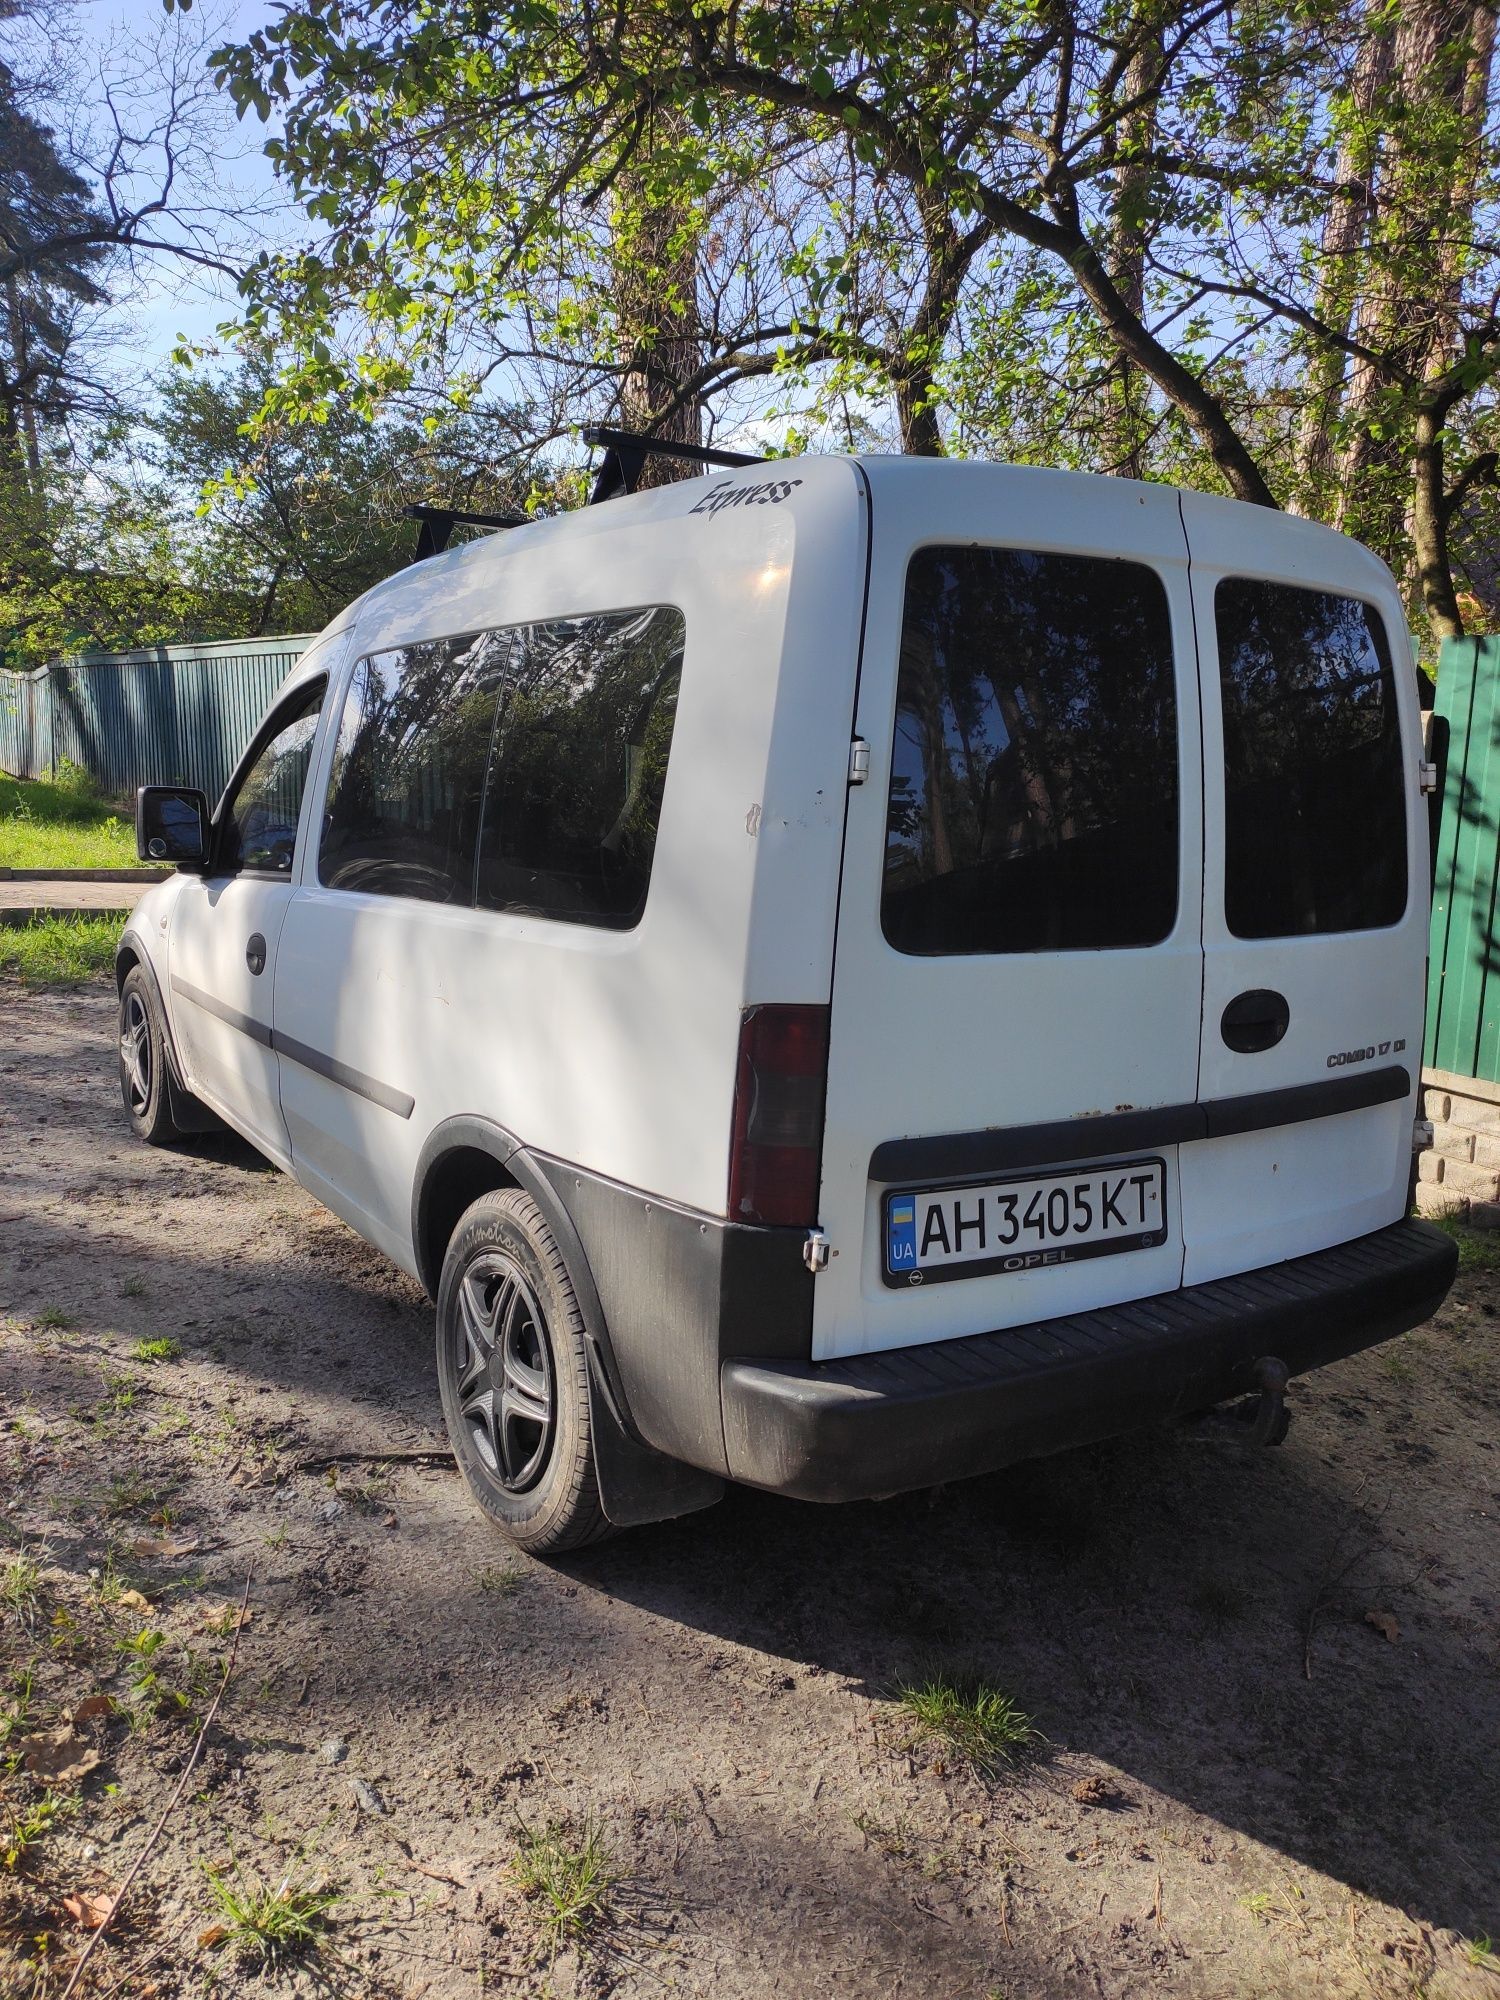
<point x="304" y="517"/>
<point x="1174" y="196"/>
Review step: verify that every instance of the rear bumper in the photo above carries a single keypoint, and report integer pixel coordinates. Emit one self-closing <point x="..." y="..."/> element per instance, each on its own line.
<point x="884" y="1423"/>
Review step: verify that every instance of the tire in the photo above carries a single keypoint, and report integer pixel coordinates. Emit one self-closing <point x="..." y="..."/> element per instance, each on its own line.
<point x="513" y="1370"/>
<point x="143" y="1062"/>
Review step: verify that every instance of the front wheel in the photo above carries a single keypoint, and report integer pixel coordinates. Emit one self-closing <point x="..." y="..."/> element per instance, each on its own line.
<point x="143" y="1062"/>
<point x="513" y="1370"/>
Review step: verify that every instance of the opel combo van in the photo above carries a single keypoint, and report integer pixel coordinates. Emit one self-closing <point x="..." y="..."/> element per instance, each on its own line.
<point x="838" y="975"/>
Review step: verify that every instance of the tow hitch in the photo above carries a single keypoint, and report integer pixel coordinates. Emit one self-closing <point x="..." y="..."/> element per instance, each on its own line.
<point x="1268" y="1416"/>
<point x="1264" y="1415"/>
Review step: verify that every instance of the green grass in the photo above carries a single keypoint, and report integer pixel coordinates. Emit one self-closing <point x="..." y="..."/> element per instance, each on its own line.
<point x="971" y="1719"/>
<point x="266" y="1922"/>
<point x="1478" y="1249"/>
<point x="21" y="1587"/>
<point x="28" y="1826"/>
<point x="59" y="951"/>
<point x="162" y="1349"/>
<point x="61" y="823"/>
<point x="567" y="1878"/>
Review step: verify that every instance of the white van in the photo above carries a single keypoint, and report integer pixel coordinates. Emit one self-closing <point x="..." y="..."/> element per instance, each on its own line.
<point x="838" y="975"/>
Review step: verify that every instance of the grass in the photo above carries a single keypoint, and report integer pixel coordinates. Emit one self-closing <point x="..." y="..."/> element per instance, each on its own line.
<point x="21" y="1587"/>
<point x="59" y="951"/>
<point x="1478" y="1249"/>
<point x="56" y="1318"/>
<point x="29" y="1826"/>
<point x="568" y="1879"/>
<point x="975" y="1721"/>
<point x="1480" y="1952"/>
<point x="266" y="1923"/>
<point x="502" y="1582"/>
<point x="62" y="823"/>
<point x="162" y="1349"/>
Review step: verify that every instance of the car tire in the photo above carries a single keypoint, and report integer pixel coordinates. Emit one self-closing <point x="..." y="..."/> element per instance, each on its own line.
<point x="513" y="1370"/>
<point x="144" y="1089"/>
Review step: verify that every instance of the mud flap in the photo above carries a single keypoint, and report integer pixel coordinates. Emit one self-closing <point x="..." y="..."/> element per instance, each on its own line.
<point x="637" y="1484"/>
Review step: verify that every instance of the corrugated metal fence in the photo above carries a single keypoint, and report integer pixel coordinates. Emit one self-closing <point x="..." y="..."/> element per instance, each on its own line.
<point x="1463" y="985"/>
<point x="164" y="715"/>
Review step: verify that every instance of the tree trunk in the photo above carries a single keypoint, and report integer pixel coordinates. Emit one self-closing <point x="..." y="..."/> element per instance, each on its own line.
<point x="1344" y="232"/>
<point x="655" y="259"/>
<point x="1125" y="414"/>
<point x="1429" y="527"/>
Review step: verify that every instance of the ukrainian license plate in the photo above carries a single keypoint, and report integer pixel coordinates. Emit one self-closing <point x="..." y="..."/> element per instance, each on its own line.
<point x="1021" y="1225"/>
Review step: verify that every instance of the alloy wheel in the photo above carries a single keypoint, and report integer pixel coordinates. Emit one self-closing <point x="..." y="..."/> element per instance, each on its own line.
<point x="506" y="1393"/>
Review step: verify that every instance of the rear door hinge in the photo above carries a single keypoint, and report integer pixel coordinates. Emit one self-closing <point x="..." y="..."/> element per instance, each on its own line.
<point x="1426" y="776"/>
<point x="816" y="1251"/>
<point x="859" y="761"/>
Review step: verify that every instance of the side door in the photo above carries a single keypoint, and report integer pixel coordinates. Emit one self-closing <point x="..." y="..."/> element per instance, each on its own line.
<point x="226" y="924"/>
<point x="1018" y="964"/>
<point x="1315" y="893"/>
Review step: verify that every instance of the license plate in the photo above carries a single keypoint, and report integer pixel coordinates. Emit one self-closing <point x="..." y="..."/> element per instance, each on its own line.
<point x="933" y="1234"/>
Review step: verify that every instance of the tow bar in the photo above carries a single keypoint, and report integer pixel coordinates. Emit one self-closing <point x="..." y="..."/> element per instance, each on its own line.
<point x="1268" y="1416"/>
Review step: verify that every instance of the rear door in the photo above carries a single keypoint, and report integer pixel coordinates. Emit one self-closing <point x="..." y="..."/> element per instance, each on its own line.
<point x="1315" y="892"/>
<point x="1018" y="963"/>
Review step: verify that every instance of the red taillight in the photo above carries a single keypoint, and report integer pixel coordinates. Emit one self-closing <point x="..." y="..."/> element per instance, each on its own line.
<point x="779" y="1087"/>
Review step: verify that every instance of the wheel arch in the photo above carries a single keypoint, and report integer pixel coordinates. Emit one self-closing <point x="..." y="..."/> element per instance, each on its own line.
<point x="467" y="1156"/>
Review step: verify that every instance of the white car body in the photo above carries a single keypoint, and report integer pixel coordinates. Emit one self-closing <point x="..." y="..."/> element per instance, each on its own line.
<point x="378" y="1023"/>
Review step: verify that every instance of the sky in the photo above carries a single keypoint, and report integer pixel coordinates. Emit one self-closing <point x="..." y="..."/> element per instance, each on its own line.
<point x="175" y="300"/>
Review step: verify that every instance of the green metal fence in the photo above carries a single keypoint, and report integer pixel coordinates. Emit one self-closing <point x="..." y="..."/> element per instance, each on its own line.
<point x="165" y="715"/>
<point x="1463" y="977"/>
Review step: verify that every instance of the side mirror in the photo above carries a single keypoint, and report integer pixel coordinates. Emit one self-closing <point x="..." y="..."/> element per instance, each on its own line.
<point x="171" y="825"/>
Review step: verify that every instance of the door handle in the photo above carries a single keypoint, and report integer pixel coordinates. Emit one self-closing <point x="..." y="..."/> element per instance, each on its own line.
<point x="1254" y="1021"/>
<point x="255" y="953"/>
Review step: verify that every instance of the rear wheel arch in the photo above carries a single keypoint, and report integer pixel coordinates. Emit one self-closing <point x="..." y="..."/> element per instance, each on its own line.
<point x="467" y="1157"/>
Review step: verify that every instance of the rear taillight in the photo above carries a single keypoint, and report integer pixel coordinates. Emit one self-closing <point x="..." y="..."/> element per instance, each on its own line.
<point x="779" y="1089"/>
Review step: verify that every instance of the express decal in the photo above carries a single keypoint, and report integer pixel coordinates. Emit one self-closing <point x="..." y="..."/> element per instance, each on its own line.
<point x="769" y="493"/>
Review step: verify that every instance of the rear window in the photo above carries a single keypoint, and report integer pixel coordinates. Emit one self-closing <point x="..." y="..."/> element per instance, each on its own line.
<point x="1315" y="812"/>
<point x="580" y="761"/>
<point x="1034" y="796"/>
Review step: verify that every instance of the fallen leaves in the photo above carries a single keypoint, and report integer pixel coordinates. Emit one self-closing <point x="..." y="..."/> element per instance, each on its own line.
<point x="167" y="1548"/>
<point x="89" y="1908"/>
<point x="92" y="1705"/>
<point x="225" y="1618"/>
<point x="1384" y="1622"/>
<point x="132" y="1600"/>
<point x="57" y="1756"/>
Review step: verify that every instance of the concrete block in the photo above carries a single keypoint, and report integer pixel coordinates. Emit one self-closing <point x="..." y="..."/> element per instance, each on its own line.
<point x="1429" y="1168"/>
<point x="1435" y="1200"/>
<point x="1477" y="1183"/>
<point x="1485" y="1214"/>
<point x="1454" y="1143"/>
<point x="1486" y="1150"/>
<point x="1436" y="1105"/>
<point x="1473" y="1114"/>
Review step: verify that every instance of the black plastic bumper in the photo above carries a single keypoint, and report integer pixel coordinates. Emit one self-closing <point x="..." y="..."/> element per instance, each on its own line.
<point x="884" y="1423"/>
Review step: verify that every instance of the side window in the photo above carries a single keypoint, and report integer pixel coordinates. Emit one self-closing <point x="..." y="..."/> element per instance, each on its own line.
<point x="1315" y="812"/>
<point x="580" y="762"/>
<point x="404" y="794"/>
<point x="259" y="828"/>
<point x="1033" y="802"/>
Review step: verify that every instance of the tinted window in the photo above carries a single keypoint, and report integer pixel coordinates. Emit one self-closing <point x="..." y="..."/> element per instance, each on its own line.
<point x="260" y="829"/>
<point x="580" y="762"/>
<point x="1033" y="800"/>
<point x="409" y="767"/>
<point x="1315" y="818"/>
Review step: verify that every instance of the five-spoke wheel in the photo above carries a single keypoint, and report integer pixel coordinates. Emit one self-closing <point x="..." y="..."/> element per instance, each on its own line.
<point x="514" y="1375"/>
<point x="143" y="1061"/>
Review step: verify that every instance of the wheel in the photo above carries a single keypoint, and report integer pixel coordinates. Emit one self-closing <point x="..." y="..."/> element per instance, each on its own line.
<point x="143" y="1062"/>
<point x="514" y="1375"/>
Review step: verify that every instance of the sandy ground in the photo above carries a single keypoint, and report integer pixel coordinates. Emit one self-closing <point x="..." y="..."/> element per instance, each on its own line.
<point x="1248" y="1788"/>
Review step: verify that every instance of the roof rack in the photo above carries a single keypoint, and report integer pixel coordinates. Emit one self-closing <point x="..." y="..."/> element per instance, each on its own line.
<point x="438" y="524"/>
<point x="625" y="452"/>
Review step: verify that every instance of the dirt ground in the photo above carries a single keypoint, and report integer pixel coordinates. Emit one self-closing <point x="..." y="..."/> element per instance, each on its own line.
<point x="1248" y="1787"/>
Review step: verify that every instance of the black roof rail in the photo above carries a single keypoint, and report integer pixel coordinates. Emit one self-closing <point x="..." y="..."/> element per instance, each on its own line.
<point x="438" y="524"/>
<point x="625" y="452"/>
